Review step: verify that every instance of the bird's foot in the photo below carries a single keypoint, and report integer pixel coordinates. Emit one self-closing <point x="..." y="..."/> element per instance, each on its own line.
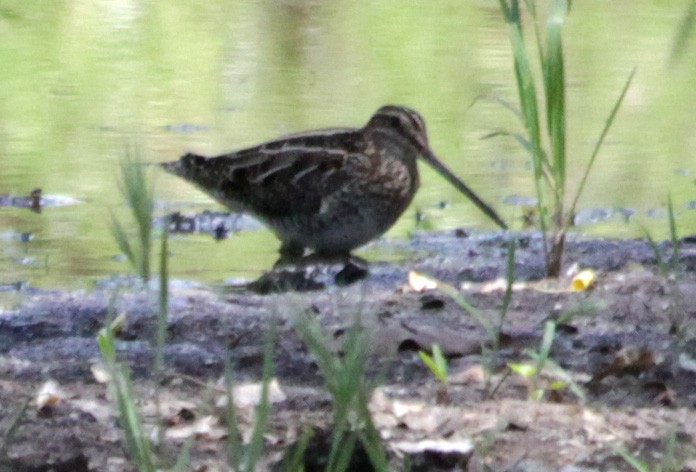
<point x="352" y="268"/>
<point x="355" y="269"/>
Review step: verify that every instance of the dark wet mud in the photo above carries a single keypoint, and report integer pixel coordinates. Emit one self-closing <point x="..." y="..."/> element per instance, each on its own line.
<point x="628" y="344"/>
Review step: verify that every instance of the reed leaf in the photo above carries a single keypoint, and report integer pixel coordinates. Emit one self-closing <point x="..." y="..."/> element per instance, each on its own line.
<point x="554" y="80"/>
<point x="684" y="32"/>
<point x="549" y="162"/>
<point x="138" y="192"/>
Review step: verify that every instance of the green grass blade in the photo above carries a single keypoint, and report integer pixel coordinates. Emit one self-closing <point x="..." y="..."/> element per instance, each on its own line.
<point x="523" y="74"/>
<point x="161" y="334"/>
<point x="676" y="244"/>
<point x="235" y="450"/>
<point x="137" y="444"/>
<point x="344" y="377"/>
<point x="507" y="10"/>
<point x="546" y="342"/>
<point x="345" y="452"/>
<point x="454" y="294"/>
<point x="255" y="447"/>
<point x="527" y="146"/>
<point x="526" y="91"/>
<point x="524" y="142"/>
<point x="119" y="234"/>
<point x="428" y="361"/>
<point x="502" y="102"/>
<point x="183" y="462"/>
<point x="598" y="145"/>
<point x="440" y="361"/>
<point x="554" y="79"/>
<point x="510" y="274"/>
<point x="371" y="440"/>
<point x="531" y="6"/>
<point x="656" y="251"/>
<point x="684" y="32"/>
<point x="433" y="365"/>
<point x="341" y="453"/>
<point x="527" y="94"/>
<point x="560" y="373"/>
<point x="163" y="302"/>
<point x="139" y="195"/>
<point x="294" y="463"/>
<point x="631" y="460"/>
<point x="523" y="368"/>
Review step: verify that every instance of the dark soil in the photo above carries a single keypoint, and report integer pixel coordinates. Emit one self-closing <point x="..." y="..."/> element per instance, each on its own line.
<point x="626" y="347"/>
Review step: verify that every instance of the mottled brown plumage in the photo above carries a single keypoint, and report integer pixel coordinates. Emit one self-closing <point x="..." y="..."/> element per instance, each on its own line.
<point x="327" y="190"/>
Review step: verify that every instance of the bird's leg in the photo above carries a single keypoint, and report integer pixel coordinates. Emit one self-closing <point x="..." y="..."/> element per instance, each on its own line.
<point x="355" y="269"/>
<point x="290" y="253"/>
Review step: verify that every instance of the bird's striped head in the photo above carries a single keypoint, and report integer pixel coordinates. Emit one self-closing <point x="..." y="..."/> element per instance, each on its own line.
<point x="404" y="122"/>
<point x="407" y="124"/>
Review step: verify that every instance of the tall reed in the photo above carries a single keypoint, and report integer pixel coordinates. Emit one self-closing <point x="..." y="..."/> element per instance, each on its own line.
<point x="546" y="142"/>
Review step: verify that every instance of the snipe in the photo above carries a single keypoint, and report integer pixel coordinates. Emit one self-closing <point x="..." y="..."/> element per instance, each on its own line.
<point x="330" y="190"/>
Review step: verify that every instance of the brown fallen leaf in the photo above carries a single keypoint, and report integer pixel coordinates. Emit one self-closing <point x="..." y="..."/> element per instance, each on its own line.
<point x="630" y="360"/>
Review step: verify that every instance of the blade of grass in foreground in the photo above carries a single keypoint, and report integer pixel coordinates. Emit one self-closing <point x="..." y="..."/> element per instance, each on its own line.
<point x="344" y="377"/>
<point x="161" y="337"/>
<point x="137" y="443"/>
<point x="234" y="446"/>
<point x="242" y="457"/>
<point x="263" y="410"/>
<point x="139" y="195"/>
<point x="674" y="236"/>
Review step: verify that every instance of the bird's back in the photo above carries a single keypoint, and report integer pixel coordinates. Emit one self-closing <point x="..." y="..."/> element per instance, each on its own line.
<point x="289" y="175"/>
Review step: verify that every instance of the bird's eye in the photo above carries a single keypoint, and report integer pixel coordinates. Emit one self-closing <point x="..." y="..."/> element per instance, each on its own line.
<point x="395" y="122"/>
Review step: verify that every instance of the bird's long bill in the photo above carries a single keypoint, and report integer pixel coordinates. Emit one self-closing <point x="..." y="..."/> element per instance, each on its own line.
<point x="444" y="171"/>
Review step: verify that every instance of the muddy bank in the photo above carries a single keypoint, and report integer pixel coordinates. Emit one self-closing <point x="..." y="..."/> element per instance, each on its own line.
<point x="630" y="350"/>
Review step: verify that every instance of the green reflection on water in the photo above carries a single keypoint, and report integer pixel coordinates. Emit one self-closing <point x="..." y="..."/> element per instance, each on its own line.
<point x="81" y="80"/>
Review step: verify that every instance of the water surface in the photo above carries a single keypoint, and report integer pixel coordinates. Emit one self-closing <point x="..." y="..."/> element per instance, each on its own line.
<point x="83" y="81"/>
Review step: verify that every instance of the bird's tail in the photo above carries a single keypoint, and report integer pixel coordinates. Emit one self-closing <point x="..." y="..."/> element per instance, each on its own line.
<point x="186" y="166"/>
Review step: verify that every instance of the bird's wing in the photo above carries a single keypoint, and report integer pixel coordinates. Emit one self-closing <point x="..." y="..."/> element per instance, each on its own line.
<point x="284" y="177"/>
